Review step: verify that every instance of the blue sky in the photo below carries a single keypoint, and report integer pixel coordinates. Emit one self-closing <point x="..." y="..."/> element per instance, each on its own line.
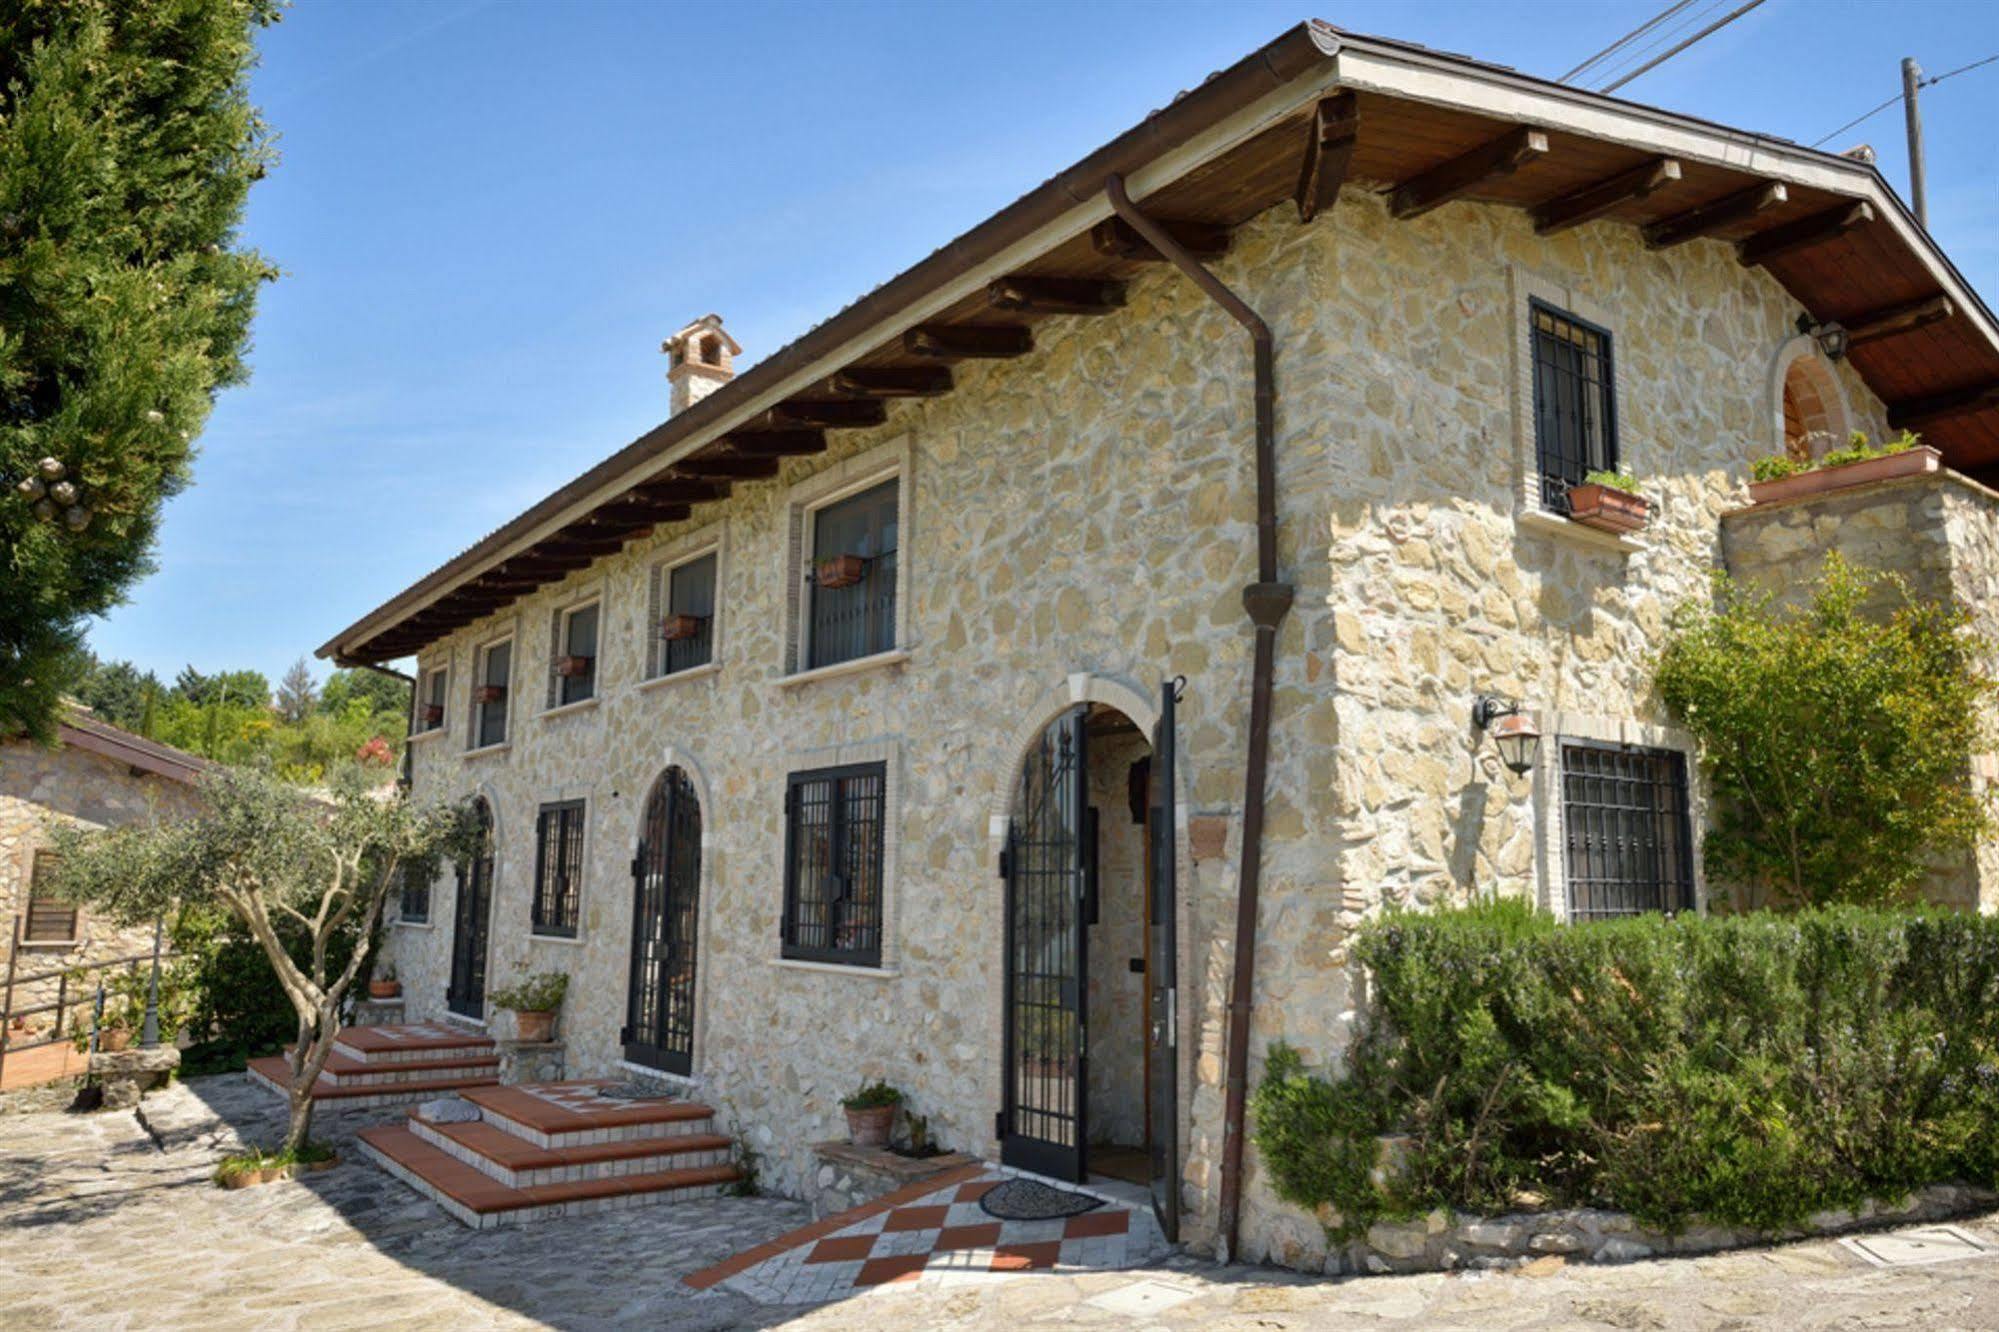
<point x="489" y="213"/>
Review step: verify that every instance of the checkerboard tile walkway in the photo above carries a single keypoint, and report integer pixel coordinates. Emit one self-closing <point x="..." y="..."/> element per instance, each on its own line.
<point x="933" y="1233"/>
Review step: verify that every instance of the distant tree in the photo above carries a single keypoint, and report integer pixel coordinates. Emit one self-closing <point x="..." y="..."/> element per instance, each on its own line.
<point x="268" y="853"/>
<point x="127" y="147"/>
<point x="297" y="693"/>
<point x="238" y="688"/>
<point x="380" y="693"/>
<point x="116" y="691"/>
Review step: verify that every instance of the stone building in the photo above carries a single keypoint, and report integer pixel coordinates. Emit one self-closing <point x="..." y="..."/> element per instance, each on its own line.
<point x="966" y="696"/>
<point x="96" y="776"/>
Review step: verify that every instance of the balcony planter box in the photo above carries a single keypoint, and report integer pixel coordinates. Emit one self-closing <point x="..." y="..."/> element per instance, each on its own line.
<point x="433" y="714"/>
<point x="678" y="628"/>
<point x="489" y="694"/>
<point x="1608" y="509"/>
<point x="573" y="668"/>
<point x="841" y="571"/>
<point x="1909" y="462"/>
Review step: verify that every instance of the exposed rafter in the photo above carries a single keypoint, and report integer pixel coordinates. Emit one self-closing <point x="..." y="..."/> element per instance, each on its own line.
<point x="1915" y="413"/>
<point x="1897" y="319"/>
<point x="1464" y="173"/>
<point x="1805" y="233"/>
<point x="1593" y="201"/>
<point x="777" y="443"/>
<point x="841" y="413"/>
<point x="1329" y="150"/>
<point x="679" y="492"/>
<point x="1117" y="239"/>
<point x="984" y="341"/>
<point x="1728" y="211"/>
<point x="726" y="465"/>
<point x="1055" y="295"/>
<point x="895" y="381"/>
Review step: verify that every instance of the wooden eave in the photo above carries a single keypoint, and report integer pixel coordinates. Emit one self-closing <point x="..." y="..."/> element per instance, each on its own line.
<point x="1416" y="111"/>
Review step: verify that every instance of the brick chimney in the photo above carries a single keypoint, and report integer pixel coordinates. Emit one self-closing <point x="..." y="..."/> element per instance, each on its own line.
<point x="702" y="358"/>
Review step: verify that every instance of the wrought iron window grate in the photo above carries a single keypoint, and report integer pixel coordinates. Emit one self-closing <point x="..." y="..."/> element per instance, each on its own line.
<point x="558" y="868"/>
<point x="414" y="905"/>
<point x="1575" y="420"/>
<point x="1628" y="830"/>
<point x="834" y="825"/>
<point x="857" y="619"/>
<point x="690" y="592"/>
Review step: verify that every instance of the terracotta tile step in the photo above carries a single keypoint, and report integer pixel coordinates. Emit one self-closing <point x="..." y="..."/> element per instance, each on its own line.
<point x="466" y="1049"/>
<point x="504" y="1149"/>
<point x="408" y="1039"/>
<point x="532" y="1112"/>
<point x="341" y="1067"/>
<point x="275" y="1069"/>
<point x="483" y="1194"/>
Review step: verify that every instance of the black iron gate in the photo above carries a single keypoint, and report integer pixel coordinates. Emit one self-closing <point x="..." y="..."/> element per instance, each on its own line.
<point x="466" y="995"/>
<point x="666" y="887"/>
<point x="1163" y="1112"/>
<point x="1043" y="1125"/>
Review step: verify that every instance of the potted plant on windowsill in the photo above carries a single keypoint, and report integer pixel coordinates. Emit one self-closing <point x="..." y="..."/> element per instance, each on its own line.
<point x="1858" y="464"/>
<point x="841" y="571"/>
<point x="433" y="714"/>
<point x="489" y="693"/>
<point x="1609" y="502"/>
<point x="383" y="984"/>
<point x="573" y="667"/>
<point x="679" y="628"/>
<point x="534" y="1003"/>
<point x="871" y="1114"/>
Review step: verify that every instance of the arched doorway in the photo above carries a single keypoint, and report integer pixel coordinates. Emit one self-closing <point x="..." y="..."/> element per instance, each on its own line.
<point x="1089" y="1072"/>
<point x="666" y="889"/>
<point x="1814" y="410"/>
<point x="471" y="919"/>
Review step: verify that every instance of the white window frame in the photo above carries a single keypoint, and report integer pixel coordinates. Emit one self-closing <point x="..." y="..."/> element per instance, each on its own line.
<point x="864" y="471"/>
<point x="709" y="540"/>
<point x="510" y="639"/>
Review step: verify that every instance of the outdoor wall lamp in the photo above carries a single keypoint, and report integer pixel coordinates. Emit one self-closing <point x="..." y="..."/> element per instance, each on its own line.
<point x="1516" y="739"/>
<point x="1830" y="336"/>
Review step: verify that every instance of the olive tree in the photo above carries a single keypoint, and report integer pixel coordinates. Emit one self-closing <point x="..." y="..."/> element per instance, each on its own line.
<point x="269" y="852"/>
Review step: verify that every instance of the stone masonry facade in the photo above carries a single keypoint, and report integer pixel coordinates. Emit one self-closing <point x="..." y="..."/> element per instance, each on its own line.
<point x="1077" y="525"/>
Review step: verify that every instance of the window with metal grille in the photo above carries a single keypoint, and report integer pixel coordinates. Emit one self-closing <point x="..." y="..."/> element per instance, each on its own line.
<point x="558" y="869"/>
<point x="50" y="919"/>
<point x="489" y="695"/>
<point x="851" y="584"/>
<point x="1575" y="405"/>
<point x="686" y="628"/>
<point x="430" y="707"/>
<point x="415" y="898"/>
<point x="572" y="670"/>
<point x="1628" y="828"/>
<point x="834" y="821"/>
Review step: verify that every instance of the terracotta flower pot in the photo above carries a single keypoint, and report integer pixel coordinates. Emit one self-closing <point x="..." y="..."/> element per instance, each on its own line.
<point x="489" y="693"/>
<point x="677" y="628"/>
<point x="870" y="1127"/>
<point x="573" y="668"/>
<point x="242" y="1179"/>
<point x="433" y="714"/>
<point x="1608" y="509"/>
<point x="315" y="1167"/>
<point x="1909" y="462"/>
<point x="841" y="571"/>
<point x="534" y="1026"/>
<point x="114" y="1038"/>
<point x="384" y="989"/>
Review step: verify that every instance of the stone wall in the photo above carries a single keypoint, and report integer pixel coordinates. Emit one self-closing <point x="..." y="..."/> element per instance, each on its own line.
<point x="41" y="786"/>
<point x="1079" y="525"/>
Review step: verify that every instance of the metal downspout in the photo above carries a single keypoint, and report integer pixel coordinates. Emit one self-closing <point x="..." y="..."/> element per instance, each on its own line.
<point x="1267" y="600"/>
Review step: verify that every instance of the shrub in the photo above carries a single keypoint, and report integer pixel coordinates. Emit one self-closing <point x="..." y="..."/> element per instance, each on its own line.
<point x="872" y="1096"/>
<point x="1622" y="481"/>
<point x="539" y="993"/>
<point x="1837" y="738"/>
<point x="1857" y="450"/>
<point x="1748" y="1070"/>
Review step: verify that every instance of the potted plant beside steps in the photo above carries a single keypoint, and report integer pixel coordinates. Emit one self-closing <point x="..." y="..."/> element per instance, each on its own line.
<point x="871" y="1114"/>
<point x="534" y="1003"/>
<point x="1609" y="502"/>
<point x="383" y="984"/>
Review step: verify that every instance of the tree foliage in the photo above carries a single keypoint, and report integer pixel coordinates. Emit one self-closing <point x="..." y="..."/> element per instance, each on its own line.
<point x="1837" y="737"/>
<point x="127" y="147"/>
<point x="269" y="854"/>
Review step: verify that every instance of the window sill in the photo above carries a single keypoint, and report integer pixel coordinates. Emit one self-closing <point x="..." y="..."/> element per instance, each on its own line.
<point x="837" y="968"/>
<point x="691" y="673"/>
<point x="418" y="737"/>
<point x="1537" y="522"/>
<point x="51" y="945"/>
<point x="415" y="925"/>
<point x="566" y="709"/>
<point x="893" y="657"/>
<point x="572" y="939"/>
<point x="489" y="750"/>
<point x="656" y="1074"/>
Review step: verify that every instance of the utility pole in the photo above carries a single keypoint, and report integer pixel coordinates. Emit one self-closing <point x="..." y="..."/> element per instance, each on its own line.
<point x="1912" y="79"/>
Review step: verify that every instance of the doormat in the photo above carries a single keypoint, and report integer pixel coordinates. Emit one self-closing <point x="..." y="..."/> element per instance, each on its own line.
<point x="634" y="1091"/>
<point x="1031" y="1200"/>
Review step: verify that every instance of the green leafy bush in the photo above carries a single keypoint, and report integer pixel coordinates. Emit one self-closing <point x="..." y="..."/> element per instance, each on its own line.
<point x="1837" y="737"/>
<point x="1621" y="481"/>
<point x="542" y="992"/>
<point x="872" y="1096"/>
<point x="1747" y="1070"/>
<point x="1857" y="449"/>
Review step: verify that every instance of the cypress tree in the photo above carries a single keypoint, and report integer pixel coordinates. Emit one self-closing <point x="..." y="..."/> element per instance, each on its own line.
<point x="127" y="147"/>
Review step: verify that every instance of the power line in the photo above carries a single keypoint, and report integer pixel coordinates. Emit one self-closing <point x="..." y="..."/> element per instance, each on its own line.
<point x="1709" y="30"/>
<point x="1926" y="83"/>
<point x="1665" y="36"/>
<point x="1629" y="37"/>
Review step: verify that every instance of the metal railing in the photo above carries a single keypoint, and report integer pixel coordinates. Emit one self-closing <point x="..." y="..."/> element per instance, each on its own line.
<point x="93" y="995"/>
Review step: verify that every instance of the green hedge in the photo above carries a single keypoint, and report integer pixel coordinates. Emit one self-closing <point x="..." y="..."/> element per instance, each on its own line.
<point x="1748" y="1070"/>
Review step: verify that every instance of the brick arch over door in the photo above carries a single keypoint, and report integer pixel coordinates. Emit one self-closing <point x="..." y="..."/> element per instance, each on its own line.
<point x="1810" y="406"/>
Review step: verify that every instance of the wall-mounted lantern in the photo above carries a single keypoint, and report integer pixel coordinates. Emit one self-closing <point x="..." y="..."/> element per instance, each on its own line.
<point x="1830" y="336"/>
<point x="1516" y="738"/>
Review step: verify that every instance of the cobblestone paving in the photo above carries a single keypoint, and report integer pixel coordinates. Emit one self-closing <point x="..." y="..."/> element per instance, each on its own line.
<point x="109" y="1222"/>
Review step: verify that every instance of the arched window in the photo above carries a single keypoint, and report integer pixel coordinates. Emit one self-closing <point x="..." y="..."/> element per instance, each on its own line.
<point x="1814" y="409"/>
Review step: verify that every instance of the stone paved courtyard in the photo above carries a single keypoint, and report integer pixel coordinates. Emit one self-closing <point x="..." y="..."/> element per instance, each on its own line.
<point x="109" y="1221"/>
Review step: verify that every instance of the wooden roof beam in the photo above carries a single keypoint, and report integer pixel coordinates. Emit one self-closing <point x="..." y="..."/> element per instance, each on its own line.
<point x="1464" y="173"/>
<point x="1806" y="232"/>
<point x="1328" y="153"/>
<point x="1593" y="201"/>
<point x="836" y="413"/>
<point x="1117" y="239"/>
<point x="532" y="567"/>
<point x="637" y="513"/>
<point x="981" y="341"/>
<point x="1916" y="413"/>
<point x="729" y="466"/>
<point x="894" y="381"/>
<point x="1055" y="295"/>
<point x="1719" y="215"/>
<point x="778" y="443"/>
<point x="1891" y="321"/>
<point x="674" y="492"/>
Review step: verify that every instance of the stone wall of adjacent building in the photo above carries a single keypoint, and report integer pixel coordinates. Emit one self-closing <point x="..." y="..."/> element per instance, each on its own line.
<point x="1939" y="534"/>
<point x="1080" y="525"/>
<point x="40" y="787"/>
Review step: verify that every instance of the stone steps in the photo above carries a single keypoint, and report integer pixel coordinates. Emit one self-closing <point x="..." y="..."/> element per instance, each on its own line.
<point x="273" y="1072"/>
<point x="520" y="1164"/>
<point x="346" y="1071"/>
<point x="537" y="1116"/>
